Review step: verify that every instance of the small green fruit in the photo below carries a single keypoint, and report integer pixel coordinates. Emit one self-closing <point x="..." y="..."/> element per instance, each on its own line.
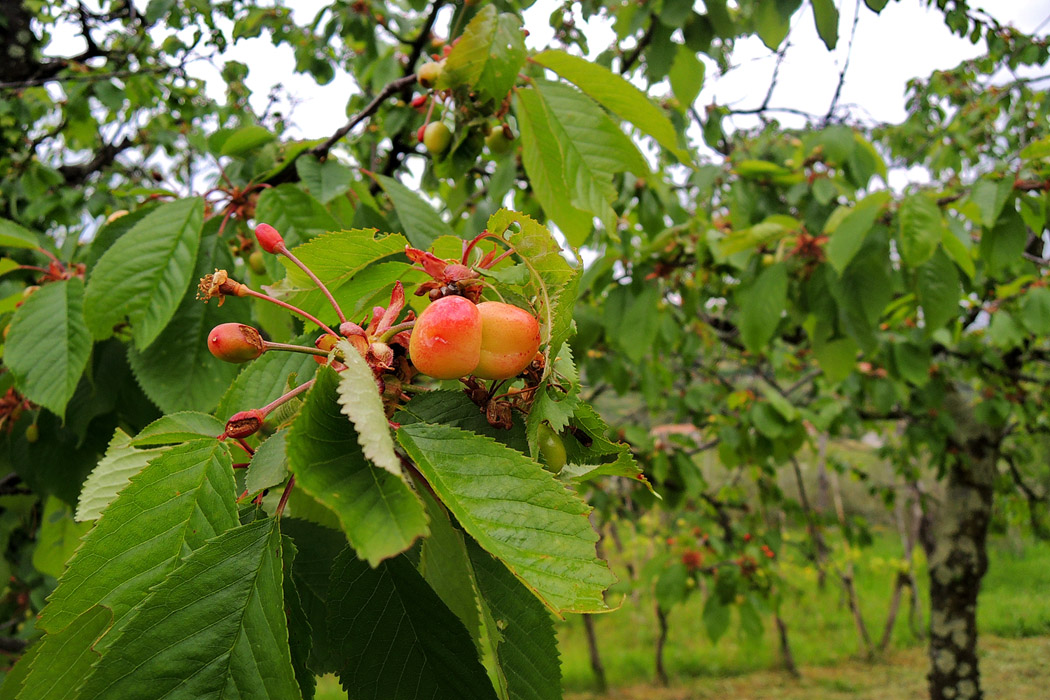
<point x="552" y="449"/>
<point x="498" y="141"/>
<point x="436" y="138"/>
<point x="32" y="433"/>
<point x="256" y="262"/>
<point x="429" y="73"/>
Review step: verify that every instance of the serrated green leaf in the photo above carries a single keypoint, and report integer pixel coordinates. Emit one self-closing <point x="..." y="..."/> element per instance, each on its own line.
<point x="826" y="17"/>
<point x="761" y="306"/>
<point x="318" y="548"/>
<point x="176" y="371"/>
<point x="269" y="465"/>
<point x="121" y="462"/>
<point x="178" y="501"/>
<point x="359" y="401"/>
<point x="991" y="196"/>
<point x="921" y="229"/>
<point x="145" y="273"/>
<point x="48" y="345"/>
<point x="63" y="659"/>
<point x="298" y="216"/>
<point x="494" y="491"/>
<point x="377" y="510"/>
<point x="264" y="379"/>
<point x="230" y="636"/>
<point x="526" y="648"/>
<point x="397" y="639"/>
<point x="14" y="235"/>
<point x="300" y="633"/>
<point x="939" y="291"/>
<point x="326" y="180"/>
<point x="544" y="163"/>
<point x="847" y="235"/>
<point x="422" y="225"/>
<point x="246" y="139"/>
<point x="618" y="96"/>
<point x="456" y="409"/>
<point x="488" y="55"/>
<point x="1003" y="245"/>
<point x="57" y="538"/>
<point x="178" y="427"/>
<point x="14" y="678"/>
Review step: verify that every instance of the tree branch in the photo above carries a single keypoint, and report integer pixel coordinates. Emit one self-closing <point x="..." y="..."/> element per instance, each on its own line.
<point x="636" y="53"/>
<point x="845" y="65"/>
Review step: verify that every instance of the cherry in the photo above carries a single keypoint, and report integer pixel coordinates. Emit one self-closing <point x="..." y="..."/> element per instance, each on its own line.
<point x="430" y="72"/>
<point x="235" y="342"/>
<point x="510" y="337"/>
<point x="446" y="340"/>
<point x="436" y="137"/>
<point x="552" y="449"/>
<point x="499" y="139"/>
<point x="256" y="262"/>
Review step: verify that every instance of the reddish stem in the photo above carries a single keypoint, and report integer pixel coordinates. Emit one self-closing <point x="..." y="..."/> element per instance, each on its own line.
<point x="225" y="219"/>
<point x="241" y="465"/>
<point x="287" y="397"/>
<point x="283" y="250"/>
<point x="285" y="305"/>
<point x="295" y="348"/>
<point x="246" y="446"/>
<point x="284" y="496"/>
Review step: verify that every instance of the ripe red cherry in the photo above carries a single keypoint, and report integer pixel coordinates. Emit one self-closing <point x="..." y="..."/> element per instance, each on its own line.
<point x="446" y="340"/>
<point x="510" y="337"/>
<point x="235" y="342"/>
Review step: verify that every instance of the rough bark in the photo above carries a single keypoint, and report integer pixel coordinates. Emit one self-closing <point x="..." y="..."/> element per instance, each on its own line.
<point x="960" y="558"/>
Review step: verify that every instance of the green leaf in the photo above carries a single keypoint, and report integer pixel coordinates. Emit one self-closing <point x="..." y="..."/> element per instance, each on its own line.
<point x="300" y="633"/>
<point x="246" y="139"/>
<point x="1035" y="310"/>
<point x="516" y="510"/>
<point x="379" y="513"/>
<point x="422" y="225"/>
<point x="62" y="660"/>
<point x="618" y="96"/>
<point x="671" y="586"/>
<point x="991" y="196"/>
<point x="234" y="585"/>
<point x="178" y="501"/>
<point x="57" y="538"/>
<point x="178" y="427"/>
<point x="773" y="20"/>
<point x="958" y="252"/>
<point x="761" y="306"/>
<point x="913" y="363"/>
<point x="939" y="290"/>
<point x="326" y="180"/>
<point x="48" y="345"/>
<point x="526" y="646"/>
<point x="837" y="358"/>
<point x="359" y="401"/>
<point x="1036" y="149"/>
<point x="921" y="229"/>
<point x="686" y="76"/>
<point x="1002" y="246"/>
<point x="488" y="55"/>
<point x="847" y="236"/>
<point x="456" y="409"/>
<point x="298" y="216"/>
<point x="716" y="617"/>
<point x="121" y="462"/>
<point x="269" y="465"/>
<point x="176" y="371"/>
<point x="397" y="639"/>
<point x="826" y="17"/>
<point x="13" y="235"/>
<point x="145" y="273"/>
<point x="264" y="379"/>
<point x="16" y="676"/>
<point x="876" y="5"/>
<point x="318" y="548"/>
<point x="544" y="163"/>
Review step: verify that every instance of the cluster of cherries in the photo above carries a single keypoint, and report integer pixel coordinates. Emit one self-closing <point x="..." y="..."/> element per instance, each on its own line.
<point x="456" y="336"/>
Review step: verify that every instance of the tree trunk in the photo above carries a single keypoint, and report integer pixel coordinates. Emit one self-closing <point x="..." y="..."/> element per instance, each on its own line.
<point x="785" y="647"/>
<point x="596" y="659"/>
<point x="661" y="640"/>
<point x="960" y="558"/>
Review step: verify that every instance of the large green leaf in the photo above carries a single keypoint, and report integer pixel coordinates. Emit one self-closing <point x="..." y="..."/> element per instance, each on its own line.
<point x="145" y="273"/>
<point x="14" y="235"/>
<point x="63" y="659"/>
<point x="247" y="138"/>
<point x="48" y="345"/>
<point x="178" y="501"/>
<point x="516" y="510"/>
<point x="921" y="228"/>
<point x="773" y="20"/>
<point x="991" y="196"/>
<point x="847" y="235"/>
<point x="422" y="225"/>
<point x="298" y="216"/>
<point x="57" y="538"/>
<point x="228" y="636"/>
<point x="176" y="371"/>
<point x="318" y="548"/>
<point x="456" y="409"/>
<point x="359" y="401"/>
<point x="177" y="428"/>
<point x="398" y="641"/>
<point x="264" y="379"/>
<point x="939" y="290"/>
<point x="526" y="646"/>
<point x="617" y="95"/>
<point x="1002" y="246"/>
<point x="826" y="17"/>
<point x="326" y="180"/>
<point x="269" y="464"/>
<point x="761" y="306"/>
<point x="377" y="510"/>
<point x="488" y="55"/>
<point x="300" y="633"/>
<point x="114" y="471"/>
<point x="544" y="163"/>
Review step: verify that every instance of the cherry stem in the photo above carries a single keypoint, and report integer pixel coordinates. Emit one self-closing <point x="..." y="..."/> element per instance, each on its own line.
<point x="245" y="446"/>
<point x="394" y="330"/>
<point x="285" y="305"/>
<point x="241" y="465"/>
<point x="470" y="246"/>
<point x="35" y="268"/>
<point x="225" y="219"/>
<point x="295" y="348"/>
<point x="51" y="255"/>
<point x="310" y="273"/>
<point x="284" y="496"/>
<point x="265" y="410"/>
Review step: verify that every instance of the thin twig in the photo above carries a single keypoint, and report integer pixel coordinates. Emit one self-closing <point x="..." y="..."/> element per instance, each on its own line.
<point x="845" y="65"/>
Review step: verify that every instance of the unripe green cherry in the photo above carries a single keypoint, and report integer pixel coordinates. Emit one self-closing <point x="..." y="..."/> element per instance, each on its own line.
<point x="235" y="342"/>
<point x="429" y="73"/>
<point x="552" y="449"/>
<point x="436" y="137"/>
<point x="32" y="432"/>
<point x="510" y="337"/>
<point x="497" y="139"/>
<point x="257" y="263"/>
<point x="446" y="340"/>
